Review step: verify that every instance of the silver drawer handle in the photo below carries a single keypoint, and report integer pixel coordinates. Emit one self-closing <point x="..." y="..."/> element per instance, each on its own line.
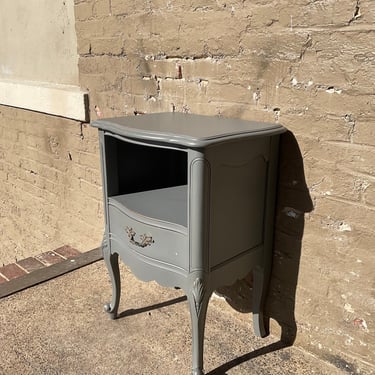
<point x="145" y="240"/>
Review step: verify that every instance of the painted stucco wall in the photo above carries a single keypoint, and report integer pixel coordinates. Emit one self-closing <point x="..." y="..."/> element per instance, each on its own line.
<point x="38" y="41"/>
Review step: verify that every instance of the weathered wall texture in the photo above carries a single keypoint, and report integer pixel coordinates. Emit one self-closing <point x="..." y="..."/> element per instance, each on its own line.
<point x="309" y="65"/>
<point x="38" y="41"/>
<point x="50" y="185"/>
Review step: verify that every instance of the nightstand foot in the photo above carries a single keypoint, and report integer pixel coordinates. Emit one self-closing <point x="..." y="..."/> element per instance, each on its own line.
<point x="108" y="309"/>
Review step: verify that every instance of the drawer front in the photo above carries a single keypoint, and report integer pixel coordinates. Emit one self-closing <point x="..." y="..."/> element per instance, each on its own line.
<point x="148" y="240"/>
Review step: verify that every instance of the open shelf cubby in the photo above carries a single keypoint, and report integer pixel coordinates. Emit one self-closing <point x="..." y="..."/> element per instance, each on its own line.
<point x="150" y="181"/>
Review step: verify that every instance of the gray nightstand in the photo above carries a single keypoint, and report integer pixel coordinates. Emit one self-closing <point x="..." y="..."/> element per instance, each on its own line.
<point x="189" y="202"/>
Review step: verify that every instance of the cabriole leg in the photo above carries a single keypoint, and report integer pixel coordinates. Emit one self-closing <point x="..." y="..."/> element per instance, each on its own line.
<point x="260" y="286"/>
<point x="111" y="261"/>
<point x="198" y="299"/>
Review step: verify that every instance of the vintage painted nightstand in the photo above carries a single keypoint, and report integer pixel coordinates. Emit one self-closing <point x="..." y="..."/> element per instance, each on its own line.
<point x="189" y="202"/>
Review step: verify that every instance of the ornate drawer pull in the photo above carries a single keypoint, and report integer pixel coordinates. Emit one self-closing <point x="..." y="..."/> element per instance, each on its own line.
<point x="145" y="239"/>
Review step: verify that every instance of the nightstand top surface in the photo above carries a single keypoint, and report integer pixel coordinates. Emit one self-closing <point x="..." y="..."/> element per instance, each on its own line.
<point x="186" y="129"/>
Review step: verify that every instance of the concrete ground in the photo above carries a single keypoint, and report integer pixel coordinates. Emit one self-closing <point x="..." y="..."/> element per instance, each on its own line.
<point x="60" y="327"/>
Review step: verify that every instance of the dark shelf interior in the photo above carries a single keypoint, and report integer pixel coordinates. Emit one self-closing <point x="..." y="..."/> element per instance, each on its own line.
<point x="132" y="167"/>
<point x="149" y="180"/>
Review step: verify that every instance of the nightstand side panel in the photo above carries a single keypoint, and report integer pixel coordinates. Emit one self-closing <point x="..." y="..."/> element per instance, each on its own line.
<point x="238" y="181"/>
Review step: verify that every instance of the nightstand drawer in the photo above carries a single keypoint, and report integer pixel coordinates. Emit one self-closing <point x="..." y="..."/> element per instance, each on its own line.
<point x="149" y="240"/>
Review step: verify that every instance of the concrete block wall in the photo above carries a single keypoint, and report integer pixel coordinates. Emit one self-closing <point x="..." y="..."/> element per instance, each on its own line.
<point x="306" y="64"/>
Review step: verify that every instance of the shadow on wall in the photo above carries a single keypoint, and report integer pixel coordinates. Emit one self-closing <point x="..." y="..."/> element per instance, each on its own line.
<point x="293" y="201"/>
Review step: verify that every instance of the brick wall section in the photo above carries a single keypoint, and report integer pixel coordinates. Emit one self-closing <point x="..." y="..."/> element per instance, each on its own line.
<point x="50" y="185"/>
<point x="307" y="64"/>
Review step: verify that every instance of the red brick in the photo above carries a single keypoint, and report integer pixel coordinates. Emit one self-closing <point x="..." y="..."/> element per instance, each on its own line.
<point x="12" y="271"/>
<point x="3" y="279"/>
<point x="67" y="252"/>
<point x="48" y="258"/>
<point x="30" y="264"/>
